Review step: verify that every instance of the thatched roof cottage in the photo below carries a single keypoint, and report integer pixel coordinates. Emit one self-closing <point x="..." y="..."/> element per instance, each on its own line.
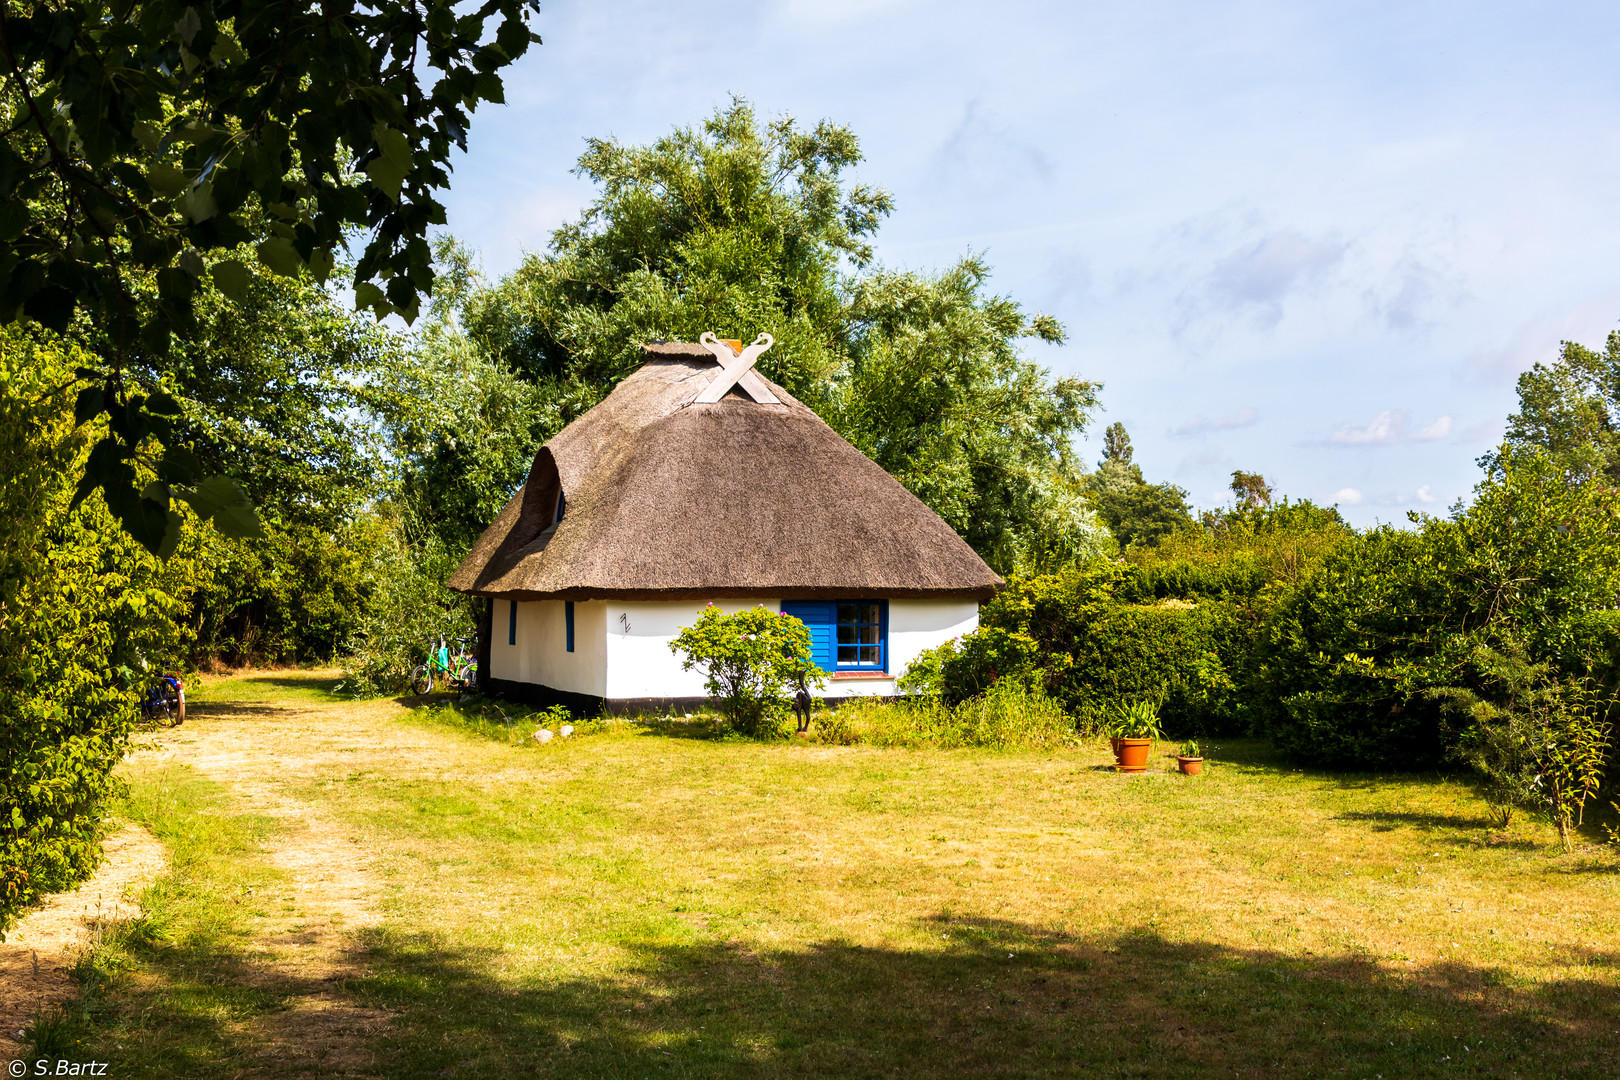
<point x="696" y="482"/>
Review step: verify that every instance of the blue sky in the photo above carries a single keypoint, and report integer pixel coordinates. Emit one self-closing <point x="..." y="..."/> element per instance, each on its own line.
<point x="1314" y="240"/>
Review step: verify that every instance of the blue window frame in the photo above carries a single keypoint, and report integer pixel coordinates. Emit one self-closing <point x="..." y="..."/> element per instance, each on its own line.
<point x="568" y="622"/>
<point x="511" y="624"/>
<point x="845" y="635"/>
<point x="862" y="634"/>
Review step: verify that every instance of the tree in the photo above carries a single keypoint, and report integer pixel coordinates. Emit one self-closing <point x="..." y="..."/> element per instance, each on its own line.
<point x="286" y="391"/>
<point x="734" y="224"/>
<point x="936" y="393"/>
<point x="1135" y="511"/>
<point x="737" y="226"/>
<point x="1117" y="444"/>
<point x="1252" y="489"/>
<point x="1571" y="409"/>
<point x="146" y="143"/>
<point x="1537" y="739"/>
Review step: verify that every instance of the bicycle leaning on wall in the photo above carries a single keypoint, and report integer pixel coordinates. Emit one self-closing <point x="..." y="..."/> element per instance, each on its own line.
<point x="455" y="671"/>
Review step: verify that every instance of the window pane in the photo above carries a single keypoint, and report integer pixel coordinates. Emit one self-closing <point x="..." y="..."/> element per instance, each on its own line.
<point x="869" y="613"/>
<point x="869" y="635"/>
<point x="846" y="634"/>
<point x="847" y="653"/>
<point x="846" y="612"/>
<point x="869" y="654"/>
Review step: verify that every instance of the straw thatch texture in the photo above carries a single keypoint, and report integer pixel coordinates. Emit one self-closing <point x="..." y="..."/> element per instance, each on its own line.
<point x="666" y="499"/>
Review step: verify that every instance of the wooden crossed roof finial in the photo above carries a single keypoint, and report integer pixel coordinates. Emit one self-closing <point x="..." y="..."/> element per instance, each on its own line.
<point x="736" y="370"/>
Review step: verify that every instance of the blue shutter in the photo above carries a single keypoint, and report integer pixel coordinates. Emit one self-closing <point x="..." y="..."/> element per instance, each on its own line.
<point x="819" y="616"/>
<point x="568" y="617"/>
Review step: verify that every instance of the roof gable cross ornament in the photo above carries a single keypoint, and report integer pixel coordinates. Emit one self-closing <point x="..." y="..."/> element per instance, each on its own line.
<point x="736" y="370"/>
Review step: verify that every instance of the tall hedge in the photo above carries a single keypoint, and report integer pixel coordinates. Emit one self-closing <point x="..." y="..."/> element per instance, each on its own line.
<point x="1355" y="659"/>
<point x="1081" y="633"/>
<point x="85" y="617"/>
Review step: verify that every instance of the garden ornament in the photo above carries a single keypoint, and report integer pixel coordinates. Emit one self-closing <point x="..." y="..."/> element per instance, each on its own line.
<point x="801" y="706"/>
<point x="736" y="370"/>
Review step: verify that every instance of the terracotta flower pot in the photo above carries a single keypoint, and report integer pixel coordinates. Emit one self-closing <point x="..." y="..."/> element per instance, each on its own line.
<point x="1192" y="766"/>
<point x="1133" y="754"/>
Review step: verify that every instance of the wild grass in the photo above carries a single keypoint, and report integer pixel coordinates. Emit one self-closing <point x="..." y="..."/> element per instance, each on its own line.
<point x="1009" y="716"/>
<point x="637" y="904"/>
<point x="165" y="993"/>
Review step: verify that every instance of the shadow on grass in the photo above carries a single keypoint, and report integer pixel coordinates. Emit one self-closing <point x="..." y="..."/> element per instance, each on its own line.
<point x="323" y="684"/>
<point x="994" y="999"/>
<point x="672" y="728"/>
<point x="989" y="998"/>
<point x="1390" y="820"/>
<point x="230" y="710"/>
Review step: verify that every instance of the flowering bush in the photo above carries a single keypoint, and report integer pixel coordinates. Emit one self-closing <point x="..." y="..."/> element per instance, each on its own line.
<point x="753" y="659"/>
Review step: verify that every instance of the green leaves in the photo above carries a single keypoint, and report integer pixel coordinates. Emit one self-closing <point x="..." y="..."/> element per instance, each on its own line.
<point x="393" y="161"/>
<point x="279" y="255"/>
<point x="221" y="500"/>
<point x="232" y="278"/>
<point x="145" y="139"/>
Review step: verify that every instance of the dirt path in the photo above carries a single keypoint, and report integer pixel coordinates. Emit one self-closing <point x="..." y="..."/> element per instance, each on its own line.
<point x="311" y="945"/>
<point x="39" y="952"/>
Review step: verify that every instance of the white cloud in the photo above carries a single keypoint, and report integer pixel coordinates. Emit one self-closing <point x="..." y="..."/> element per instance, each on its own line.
<point x="1346" y="497"/>
<point x="1199" y="425"/>
<point x="1389" y="428"/>
<point x="1425" y="495"/>
<point x="1435" y="431"/>
<point x="1260" y="276"/>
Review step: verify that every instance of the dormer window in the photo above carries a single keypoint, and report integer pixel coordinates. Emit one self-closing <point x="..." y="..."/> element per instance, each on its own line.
<point x="562" y="505"/>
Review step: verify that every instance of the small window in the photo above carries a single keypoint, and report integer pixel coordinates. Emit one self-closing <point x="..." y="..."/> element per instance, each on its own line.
<point x="511" y="624"/>
<point x="562" y="506"/>
<point x="568" y="622"/>
<point x="860" y="634"/>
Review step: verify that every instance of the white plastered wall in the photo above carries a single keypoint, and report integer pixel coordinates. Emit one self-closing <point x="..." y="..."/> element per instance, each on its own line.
<point x="541" y="654"/>
<point x="640" y="663"/>
<point x="621" y="648"/>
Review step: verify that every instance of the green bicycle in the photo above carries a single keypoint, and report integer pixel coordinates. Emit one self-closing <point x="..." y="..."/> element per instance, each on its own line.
<point x="457" y="671"/>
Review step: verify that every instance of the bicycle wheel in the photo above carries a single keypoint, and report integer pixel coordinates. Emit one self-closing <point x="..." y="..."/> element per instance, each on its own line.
<point x="164" y="704"/>
<point x="422" y="680"/>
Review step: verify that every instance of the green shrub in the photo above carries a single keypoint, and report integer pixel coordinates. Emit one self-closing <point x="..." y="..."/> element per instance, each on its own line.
<point x="1349" y="661"/>
<point x="87" y="618"/>
<point x="974" y="663"/>
<point x="409" y="608"/>
<point x="752" y="661"/>
<point x="1537" y="740"/>
<point x="1090" y="650"/>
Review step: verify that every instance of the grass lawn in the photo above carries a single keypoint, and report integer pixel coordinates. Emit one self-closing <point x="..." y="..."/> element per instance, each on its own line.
<point x="636" y="904"/>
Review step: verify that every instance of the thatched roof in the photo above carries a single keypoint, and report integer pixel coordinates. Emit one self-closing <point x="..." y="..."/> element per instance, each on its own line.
<point x="666" y="499"/>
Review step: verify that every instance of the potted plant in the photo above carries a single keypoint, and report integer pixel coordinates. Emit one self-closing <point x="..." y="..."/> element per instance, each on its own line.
<point x="1190" y="760"/>
<point x="1135" y="727"/>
